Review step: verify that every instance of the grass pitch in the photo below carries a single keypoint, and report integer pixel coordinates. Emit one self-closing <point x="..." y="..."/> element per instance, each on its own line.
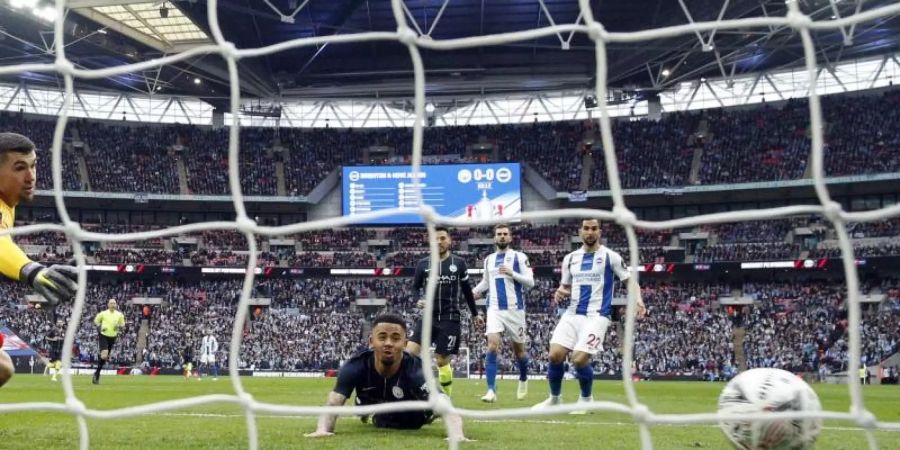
<point x="223" y="426"/>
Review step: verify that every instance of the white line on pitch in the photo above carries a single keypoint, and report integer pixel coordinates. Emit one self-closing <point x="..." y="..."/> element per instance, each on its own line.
<point x="541" y="422"/>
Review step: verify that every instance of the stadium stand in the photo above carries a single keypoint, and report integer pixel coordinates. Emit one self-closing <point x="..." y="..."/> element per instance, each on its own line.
<point x="797" y="326"/>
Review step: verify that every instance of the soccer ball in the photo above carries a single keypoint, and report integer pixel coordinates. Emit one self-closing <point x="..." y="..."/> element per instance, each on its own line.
<point x="769" y="390"/>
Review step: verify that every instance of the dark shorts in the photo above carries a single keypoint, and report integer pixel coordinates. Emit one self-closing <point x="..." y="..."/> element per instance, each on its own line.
<point x="407" y="420"/>
<point x="444" y="333"/>
<point x="55" y="356"/>
<point x="106" y="343"/>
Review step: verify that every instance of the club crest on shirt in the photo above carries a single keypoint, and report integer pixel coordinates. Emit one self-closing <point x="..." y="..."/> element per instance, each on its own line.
<point x="453" y="267"/>
<point x="397" y="391"/>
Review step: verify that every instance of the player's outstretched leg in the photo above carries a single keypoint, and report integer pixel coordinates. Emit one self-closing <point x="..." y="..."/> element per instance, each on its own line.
<point x="215" y="368"/>
<point x="555" y="372"/>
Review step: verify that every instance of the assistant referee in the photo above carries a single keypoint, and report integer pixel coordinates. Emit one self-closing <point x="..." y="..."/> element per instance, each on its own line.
<point x="111" y="321"/>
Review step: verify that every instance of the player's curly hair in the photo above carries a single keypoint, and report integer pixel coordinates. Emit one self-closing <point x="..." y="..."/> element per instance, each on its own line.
<point x="389" y="318"/>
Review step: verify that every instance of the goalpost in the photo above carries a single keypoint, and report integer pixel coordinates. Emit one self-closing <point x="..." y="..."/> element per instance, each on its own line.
<point x="467" y="359"/>
<point x="642" y="416"/>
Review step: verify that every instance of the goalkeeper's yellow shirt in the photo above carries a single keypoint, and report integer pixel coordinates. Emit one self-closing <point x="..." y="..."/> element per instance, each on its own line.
<point x="110" y="322"/>
<point x="12" y="258"/>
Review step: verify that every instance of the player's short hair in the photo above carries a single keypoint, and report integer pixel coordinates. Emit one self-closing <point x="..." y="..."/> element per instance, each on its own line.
<point x="502" y="225"/>
<point x="599" y="222"/>
<point x="389" y="318"/>
<point x="442" y="228"/>
<point x="14" y="142"/>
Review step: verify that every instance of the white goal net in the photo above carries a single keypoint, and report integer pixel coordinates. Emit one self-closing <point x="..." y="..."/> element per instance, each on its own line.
<point x="620" y="213"/>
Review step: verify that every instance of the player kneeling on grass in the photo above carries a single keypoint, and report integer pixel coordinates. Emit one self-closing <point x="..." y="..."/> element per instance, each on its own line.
<point x="383" y="374"/>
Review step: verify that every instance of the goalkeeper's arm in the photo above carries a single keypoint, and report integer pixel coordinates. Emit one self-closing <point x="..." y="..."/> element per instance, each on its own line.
<point x="55" y="283"/>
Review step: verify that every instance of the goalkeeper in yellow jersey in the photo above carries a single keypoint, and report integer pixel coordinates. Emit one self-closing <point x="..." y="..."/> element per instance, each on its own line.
<point x="18" y="160"/>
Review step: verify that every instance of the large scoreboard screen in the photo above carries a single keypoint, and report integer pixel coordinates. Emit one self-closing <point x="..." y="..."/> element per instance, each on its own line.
<point x="463" y="191"/>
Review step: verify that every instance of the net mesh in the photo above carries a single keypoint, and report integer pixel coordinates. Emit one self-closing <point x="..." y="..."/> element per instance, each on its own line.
<point x="642" y="416"/>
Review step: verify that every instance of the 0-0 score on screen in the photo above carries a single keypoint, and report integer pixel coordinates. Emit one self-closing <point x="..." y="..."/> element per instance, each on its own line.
<point x="502" y="175"/>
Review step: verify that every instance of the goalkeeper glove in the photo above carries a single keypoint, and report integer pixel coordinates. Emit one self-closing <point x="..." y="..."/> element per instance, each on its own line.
<point x="56" y="283"/>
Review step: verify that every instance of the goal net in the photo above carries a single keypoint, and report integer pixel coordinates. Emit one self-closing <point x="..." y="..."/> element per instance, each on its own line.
<point x="645" y="418"/>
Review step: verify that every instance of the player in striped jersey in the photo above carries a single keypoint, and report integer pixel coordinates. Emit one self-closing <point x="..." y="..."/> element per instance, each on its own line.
<point x="209" y="345"/>
<point x="588" y="278"/>
<point x="506" y="275"/>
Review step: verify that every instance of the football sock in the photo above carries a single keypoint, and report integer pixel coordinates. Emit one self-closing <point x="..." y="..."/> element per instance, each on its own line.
<point x="445" y="376"/>
<point x="490" y="368"/>
<point x="555" y="376"/>
<point x="585" y="379"/>
<point x="523" y="368"/>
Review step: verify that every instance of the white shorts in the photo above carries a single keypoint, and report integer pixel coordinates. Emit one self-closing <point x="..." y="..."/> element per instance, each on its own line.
<point x="581" y="333"/>
<point x="512" y="322"/>
<point x="207" y="359"/>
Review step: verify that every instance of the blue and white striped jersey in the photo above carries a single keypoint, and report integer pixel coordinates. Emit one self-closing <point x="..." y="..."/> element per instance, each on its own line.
<point x="506" y="291"/>
<point x="209" y="345"/>
<point x="591" y="275"/>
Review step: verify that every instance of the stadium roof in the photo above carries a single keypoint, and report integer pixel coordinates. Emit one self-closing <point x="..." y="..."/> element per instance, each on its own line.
<point x="103" y="35"/>
<point x="149" y="22"/>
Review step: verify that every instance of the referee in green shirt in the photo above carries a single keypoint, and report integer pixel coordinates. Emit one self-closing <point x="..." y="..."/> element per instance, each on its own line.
<point x="110" y="321"/>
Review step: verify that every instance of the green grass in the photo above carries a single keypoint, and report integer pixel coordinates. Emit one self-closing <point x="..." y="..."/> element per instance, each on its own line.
<point x="223" y="426"/>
